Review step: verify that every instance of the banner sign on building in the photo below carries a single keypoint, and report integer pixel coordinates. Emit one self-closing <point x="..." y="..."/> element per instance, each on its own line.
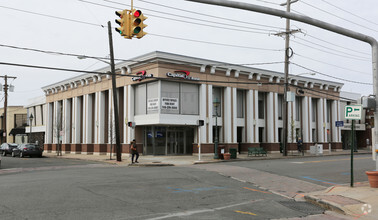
<point x="183" y="74"/>
<point x="153" y="104"/>
<point x="169" y="103"/>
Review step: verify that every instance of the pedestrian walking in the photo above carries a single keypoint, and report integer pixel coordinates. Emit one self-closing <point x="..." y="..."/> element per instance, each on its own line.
<point x="299" y="145"/>
<point x="134" y="151"/>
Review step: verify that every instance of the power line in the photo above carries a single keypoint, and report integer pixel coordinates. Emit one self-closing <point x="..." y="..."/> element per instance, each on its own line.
<point x="125" y="60"/>
<point x="333" y="44"/>
<point x="330" y="52"/>
<point x="219" y="44"/>
<point x="302" y="1"/>
<point x="334" y="77"/>
<point x="350" y="13"/>
<point x="331" y="48"/>
<point x="331" y="64"/>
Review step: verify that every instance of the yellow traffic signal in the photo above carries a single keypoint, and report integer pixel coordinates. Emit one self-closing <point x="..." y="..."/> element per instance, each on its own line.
<point x="136" y="23"/>
<point x="124" y="23"/>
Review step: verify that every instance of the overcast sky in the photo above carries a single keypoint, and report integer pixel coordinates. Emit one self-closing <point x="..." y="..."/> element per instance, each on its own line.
<point x="182" y="27"/>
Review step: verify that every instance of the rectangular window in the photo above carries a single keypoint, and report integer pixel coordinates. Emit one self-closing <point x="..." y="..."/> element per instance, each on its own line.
<point x="152" y="98"/>
<point x="329" y="110"/>
<point x="217" y="95"/>
<point x="240" y="103"/>
<point x="261" y="105"/>
<point x="170" y="97"/>
<point x="314" y="105"/>
<point x="189" y="99"/>
<point x="140" y="99"/>
<point x="298" y="108"/>
<point x="280" y="103"/>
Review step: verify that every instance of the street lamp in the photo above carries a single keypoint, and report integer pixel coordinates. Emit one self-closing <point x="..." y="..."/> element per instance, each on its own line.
<point x="85" y="57"/>
<point x="31" y="125"/>
<point x="216" y="103"/>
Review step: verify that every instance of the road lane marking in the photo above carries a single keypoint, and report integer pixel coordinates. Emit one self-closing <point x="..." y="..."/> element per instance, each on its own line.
<point x="246" y="213"/>
<point x="196" y="190"/>
<point x="322" y="181"/>
<point x="257" y="190"/>
<point x="319" y="161"/>
<point x="193" y="212"/>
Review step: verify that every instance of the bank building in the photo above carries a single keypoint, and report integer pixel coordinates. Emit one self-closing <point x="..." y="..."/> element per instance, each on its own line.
<point x="166" y="97"/>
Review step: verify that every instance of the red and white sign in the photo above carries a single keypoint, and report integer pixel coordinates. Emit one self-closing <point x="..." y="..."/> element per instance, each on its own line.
<point x="143" y="75"/>
<point x="183" y="74"/>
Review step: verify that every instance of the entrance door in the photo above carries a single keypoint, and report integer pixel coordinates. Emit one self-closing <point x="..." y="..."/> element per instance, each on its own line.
<point x="175" y="143"/>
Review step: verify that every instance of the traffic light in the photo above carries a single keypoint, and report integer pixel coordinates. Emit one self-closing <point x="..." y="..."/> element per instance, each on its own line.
<point x="137" y="24"/>
<point x="131" y="124"/>
<point x="124" y="23"/>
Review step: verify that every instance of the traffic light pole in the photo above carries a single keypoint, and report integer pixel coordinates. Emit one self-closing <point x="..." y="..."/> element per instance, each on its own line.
<point x="115" y="99"/>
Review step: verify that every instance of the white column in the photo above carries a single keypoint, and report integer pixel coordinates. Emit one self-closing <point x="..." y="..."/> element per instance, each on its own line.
<point x="270" y="118"/>
<point x="77" y="119"/>
<point x="275" y="117"/>
<point x="334" y="119"/>
<point x="130" y="110"/>
<point x="101" y="118"/>
<point x="111" y="127"/>
<point x="320" y="120"/>
<point x="202" y="112"/>
<point x="249" y="115"/>
<point x="227" y="128"/>
<point x="234" y="116"/>
<point x="310" y="118"/>
<point x="88" y="118"/>
<point x="49" y="124"/>
<point x="55" y="125"/>
<point x="305" y="120"/>
<point x="84" y="118"/>
<point x="125" y="104"/>
<point x="66" y="117"/>
<point x="210" y="113"/>
<point x="256" y="118"/>
<point x="290" y="121"/>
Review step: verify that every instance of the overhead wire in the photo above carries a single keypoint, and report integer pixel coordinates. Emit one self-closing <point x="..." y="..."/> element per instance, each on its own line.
<point x="333" y="14"/>
<point x="330" y="76"/>
<point x="330" y="64"/>
<point x="360" y="17"/>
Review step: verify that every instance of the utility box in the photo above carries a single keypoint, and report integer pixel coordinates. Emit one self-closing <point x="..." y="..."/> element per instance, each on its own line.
<point x="368" y="102"/>
<point x="317" y="149"/>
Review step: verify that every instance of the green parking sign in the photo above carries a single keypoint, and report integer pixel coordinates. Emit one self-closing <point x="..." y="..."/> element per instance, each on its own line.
<point x="353" y="112"/>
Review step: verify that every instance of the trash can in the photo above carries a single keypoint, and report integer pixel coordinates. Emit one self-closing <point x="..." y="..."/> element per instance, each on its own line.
<point x="221" y="151"/>
<point x="233" y="152"/>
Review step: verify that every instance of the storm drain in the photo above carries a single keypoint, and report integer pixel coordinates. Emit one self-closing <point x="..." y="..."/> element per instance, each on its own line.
<point x="303" y="207"/>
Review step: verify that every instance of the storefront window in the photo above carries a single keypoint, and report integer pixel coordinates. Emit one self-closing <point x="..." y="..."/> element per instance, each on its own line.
<point x="217" y="95"/>
<point x="240" y="103"/>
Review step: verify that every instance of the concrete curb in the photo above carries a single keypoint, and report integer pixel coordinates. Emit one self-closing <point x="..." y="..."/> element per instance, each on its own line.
<point x="327" y="205"/>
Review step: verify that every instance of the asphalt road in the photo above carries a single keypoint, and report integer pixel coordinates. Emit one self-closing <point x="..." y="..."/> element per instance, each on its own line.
<point x="54" y="188"/>
<point x="326" y="171"/>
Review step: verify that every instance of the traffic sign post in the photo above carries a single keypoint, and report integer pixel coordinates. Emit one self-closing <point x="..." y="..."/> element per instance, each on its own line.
<point x="352" y="112"/>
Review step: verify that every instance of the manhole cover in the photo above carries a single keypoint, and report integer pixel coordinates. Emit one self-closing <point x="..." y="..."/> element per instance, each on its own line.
<point x="303" y="207"/>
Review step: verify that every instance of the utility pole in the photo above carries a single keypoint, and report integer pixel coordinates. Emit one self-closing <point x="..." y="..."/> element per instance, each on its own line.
<point x="6" y="104"/>
<point x="288" y="54"/>
<point x="115" y="99"/>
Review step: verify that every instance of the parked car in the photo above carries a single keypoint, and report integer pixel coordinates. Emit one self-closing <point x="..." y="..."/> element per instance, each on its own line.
<point x="27" y="150"/>
<point x="7" y="148"/>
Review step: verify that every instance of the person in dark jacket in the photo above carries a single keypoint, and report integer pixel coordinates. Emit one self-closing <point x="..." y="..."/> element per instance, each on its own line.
<point x="134" y="151"/>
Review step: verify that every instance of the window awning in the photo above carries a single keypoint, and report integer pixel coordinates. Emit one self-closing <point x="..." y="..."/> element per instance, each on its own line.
<point x="16" y="131"/>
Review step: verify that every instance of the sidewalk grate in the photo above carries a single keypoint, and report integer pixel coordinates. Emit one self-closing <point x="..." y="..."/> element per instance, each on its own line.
<point x="304" y="207"/>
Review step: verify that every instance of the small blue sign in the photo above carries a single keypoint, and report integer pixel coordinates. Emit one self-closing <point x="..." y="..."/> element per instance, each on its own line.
<point x="339" y="123"/>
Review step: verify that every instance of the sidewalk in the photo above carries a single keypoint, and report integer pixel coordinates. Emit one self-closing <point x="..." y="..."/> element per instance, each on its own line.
<point x="360" y="202"/>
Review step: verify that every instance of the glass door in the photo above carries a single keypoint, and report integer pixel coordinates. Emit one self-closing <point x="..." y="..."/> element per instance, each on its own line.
<point x="175" y="143"/>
